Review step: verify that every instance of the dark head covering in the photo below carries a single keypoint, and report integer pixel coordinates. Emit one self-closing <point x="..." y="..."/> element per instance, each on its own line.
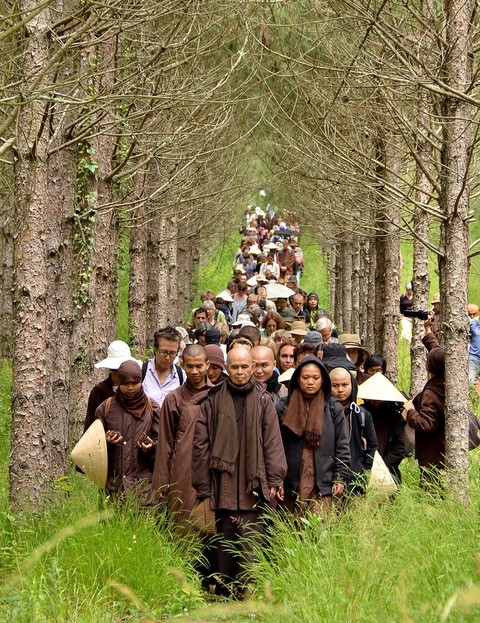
<point x="436" y="362"/>
<point x="212" y="336"/>
<point x="294" y="384"/>
<point x="313" y="337"/>
<point x="335" y="356"/>
<point x="304" y="415"/>
<point x="129" y="372"/>
<point x="136" y="404"/>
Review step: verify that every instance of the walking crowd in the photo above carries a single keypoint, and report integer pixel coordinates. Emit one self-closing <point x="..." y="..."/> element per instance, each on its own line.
<point x="255" y="405"/>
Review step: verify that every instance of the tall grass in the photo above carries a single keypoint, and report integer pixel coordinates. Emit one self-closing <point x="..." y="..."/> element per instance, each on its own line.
<point x="127" y="566"/>
<point x="397" y="561"/>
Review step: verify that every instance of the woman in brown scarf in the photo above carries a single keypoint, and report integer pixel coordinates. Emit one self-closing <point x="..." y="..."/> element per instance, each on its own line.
<point x="130" y="420"/>
<point x="315" y="440"/>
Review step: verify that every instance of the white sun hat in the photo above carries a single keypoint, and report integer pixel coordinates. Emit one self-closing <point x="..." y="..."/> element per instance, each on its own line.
<point x="90" y="454"/>
<point x="117" y="353"/>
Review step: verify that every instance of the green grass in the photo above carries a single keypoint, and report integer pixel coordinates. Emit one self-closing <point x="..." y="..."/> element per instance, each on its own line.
<point x="398" y="561"/>
<point x="122" y="567"/>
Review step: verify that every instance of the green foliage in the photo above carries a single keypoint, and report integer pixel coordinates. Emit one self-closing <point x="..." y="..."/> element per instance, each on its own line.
<point x="315" y="274"/>
<point x="84" y="239"/>
<point x="216" y="267"/>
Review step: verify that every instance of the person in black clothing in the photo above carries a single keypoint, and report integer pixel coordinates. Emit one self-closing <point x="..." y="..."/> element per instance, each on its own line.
<point x="360" y="429"/>
<point x="315" y="440"/>
<point x="390" y="430"/>
<point x="406" y="300"/>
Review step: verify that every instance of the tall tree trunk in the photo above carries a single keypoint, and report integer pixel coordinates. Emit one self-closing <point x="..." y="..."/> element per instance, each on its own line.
<point x="30" y="478"/>
<point x="421" y="278"/>
<point x="357" y="286"/>
<point x="369" y="268"/>
<point x="454" y="203"/>
<point x="59" y="241"/>
<point x="137" y="293"/>
<point x="6" y="288"/>
<point x="338" y="309"/>
<point x="153" y="261"/>
<point x="97" y="242"/>
<point x="388" y="261"/>
<point x="347" y="273"/>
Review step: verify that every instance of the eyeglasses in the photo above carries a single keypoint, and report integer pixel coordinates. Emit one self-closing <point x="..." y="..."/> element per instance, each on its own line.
<point x="167" y="353"/>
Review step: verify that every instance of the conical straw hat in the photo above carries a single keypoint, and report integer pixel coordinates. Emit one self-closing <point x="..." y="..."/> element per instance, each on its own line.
<point x="378" y="387"/>
<point x="90" y="454"/>
<point x="286" y="376"/>
<point x="381" y="480"/>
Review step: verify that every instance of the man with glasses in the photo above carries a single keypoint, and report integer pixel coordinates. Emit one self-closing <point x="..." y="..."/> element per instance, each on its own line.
<point x="160" y="374"/>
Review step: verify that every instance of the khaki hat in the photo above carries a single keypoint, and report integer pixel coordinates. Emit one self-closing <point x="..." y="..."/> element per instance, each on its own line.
<point x="298" y="328"/>
<point x="378" y="387"/>
<point x="239" y="269"/>
<point x="90" y="454"/>
<point x="381" y="481"/>
<point x="184" y="333"/>
<point x="352" y="340"/>
<point x="436" y="298"/>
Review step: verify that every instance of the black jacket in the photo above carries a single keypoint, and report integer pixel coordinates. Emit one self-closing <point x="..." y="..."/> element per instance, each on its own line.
<point x="390" y="428"/>
<point x="332" y="457"/>
<point x="362" y="439"/>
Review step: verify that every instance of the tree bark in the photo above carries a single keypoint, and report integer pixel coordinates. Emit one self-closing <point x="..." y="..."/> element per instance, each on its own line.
<point x="30" y="479"/>
<point x="6" y="288"/>
<point x="357" y="286"/>
<point x="454" y="202"/>
<point x="347" y="275"/>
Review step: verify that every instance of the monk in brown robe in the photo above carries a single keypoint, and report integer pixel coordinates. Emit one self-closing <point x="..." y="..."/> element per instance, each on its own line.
<point x="172" y="476"/>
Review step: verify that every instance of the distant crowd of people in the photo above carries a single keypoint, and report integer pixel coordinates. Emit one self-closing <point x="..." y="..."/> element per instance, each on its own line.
<point x="253" y="405"/>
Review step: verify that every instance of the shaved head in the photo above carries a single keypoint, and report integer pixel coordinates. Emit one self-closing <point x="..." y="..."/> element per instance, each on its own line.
<point x="262" y="352"/>
<point x="194" y="350"/>
<point x="239" y="352"/>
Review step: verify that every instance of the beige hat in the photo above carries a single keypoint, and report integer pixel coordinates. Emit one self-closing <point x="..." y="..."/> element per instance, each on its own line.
<point x="298" y="328"/>
<point x="381" y="481"/>
<point x="239" y="268"/>
<point x="90" y="454"/>
<point x="436" y="298"/>
<point x="378" y="387"/>
<point x="184" y="333"/>
<point x="352" y="340"/>
<point x="286" y="376"/>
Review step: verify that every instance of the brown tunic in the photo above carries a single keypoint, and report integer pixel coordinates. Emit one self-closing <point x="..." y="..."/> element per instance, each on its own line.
<point x="172" y="474"/>
<point x="127" y="463"/>
<point x="228" y="491"/>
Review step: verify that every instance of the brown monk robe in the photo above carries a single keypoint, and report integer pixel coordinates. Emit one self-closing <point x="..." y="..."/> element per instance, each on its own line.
<point x="130" y="420"/>
<point x="172" y="474"/>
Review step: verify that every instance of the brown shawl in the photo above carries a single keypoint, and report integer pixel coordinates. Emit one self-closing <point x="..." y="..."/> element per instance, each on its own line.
<point x="304" y="417"/>
<point x="226" y="446"/>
